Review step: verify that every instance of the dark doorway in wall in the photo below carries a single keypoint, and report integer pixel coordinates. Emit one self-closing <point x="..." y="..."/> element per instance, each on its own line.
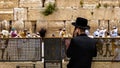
<point x="34" y="26"/>
<point x="10" y="25"/>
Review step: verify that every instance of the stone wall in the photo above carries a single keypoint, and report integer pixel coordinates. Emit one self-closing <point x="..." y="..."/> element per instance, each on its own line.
<point x="41" y="65"/>
<point x="67" y="10"/>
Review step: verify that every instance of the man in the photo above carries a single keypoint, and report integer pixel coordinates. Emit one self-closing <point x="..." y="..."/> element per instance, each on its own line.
<point x="102" y="32"/>
<point x="5" y="33"/>
<point x="82" y="48"/>
<point x="62" y="32"/>
<point x="114" y="32"/>
<point x="96" y="33"/>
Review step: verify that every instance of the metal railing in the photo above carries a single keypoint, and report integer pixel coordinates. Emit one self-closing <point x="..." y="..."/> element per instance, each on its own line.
<point x="105" y="49"/>
<point x="26" y="66"/>
<point x="20" y="49"/>
<point x="30" y="49"/>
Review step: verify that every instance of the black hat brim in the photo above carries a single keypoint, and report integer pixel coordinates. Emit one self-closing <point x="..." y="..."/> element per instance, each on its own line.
<point x="81" y="27"/>
<point x="86" y="27"/>
<point x="73" y="23"/>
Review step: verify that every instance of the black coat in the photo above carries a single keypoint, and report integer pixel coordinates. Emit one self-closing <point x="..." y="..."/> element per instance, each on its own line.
<point x="81" y="51"/>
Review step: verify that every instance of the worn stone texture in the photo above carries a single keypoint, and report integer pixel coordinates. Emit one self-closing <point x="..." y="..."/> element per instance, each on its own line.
<point x="68" y="3"/>
<point x="64" y="64"/>
<point x="8" y="4"/>
<point x="67" y="10"/>
<point x="30" y="3"/>
<point x="19" y="25"/>
<point x="24" y="64"/>
<point x="71" y="13"/>
<point x="20" y="13"/>
<point x="6" y="16"/>
<point x="101" y="65"/>
<point x="90" y="1"/>
<point x="60" y="14"/>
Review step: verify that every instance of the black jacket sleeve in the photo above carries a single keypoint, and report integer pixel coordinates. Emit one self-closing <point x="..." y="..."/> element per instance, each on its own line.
<point x="69" y="51"/>
<point x="95" y="49"/>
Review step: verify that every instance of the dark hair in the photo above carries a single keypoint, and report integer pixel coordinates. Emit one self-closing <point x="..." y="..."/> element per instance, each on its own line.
<point x="83" y="29"/>
<point x="42" y="32"/>
<point x="74" y="31"/>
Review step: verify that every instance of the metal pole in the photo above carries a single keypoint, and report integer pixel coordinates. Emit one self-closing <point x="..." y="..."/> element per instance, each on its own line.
<point x="64" y="23"/>
<point x="42" y="51"/>
<point x="17" y="66"/>
<point x="1" y="26"/>
<point x="33" y="65"/>
<point x="98" y="23"/>
<point x="108" y="26"/>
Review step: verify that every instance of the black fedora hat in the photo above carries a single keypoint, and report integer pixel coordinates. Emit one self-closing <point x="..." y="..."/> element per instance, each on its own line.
<point x="81" y="23"/>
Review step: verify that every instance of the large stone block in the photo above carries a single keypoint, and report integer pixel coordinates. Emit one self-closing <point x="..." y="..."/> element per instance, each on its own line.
<point x="81" y="12"/>
<point x="64" y="64"/>
<point x="8" y="4"/>
<point x="68" y="3"/>
<point x="116" y="13"/>
<point x="30" y="3"/>
<point x="90" y="1"/>
<point x="10" y="0"/>
<point x="20" y="13"/>
<point x="41" y="24"/>
<point x="54" y="26"/>
<point x="106" y="13"/>
<point x="6" y="16"/>
<point x="60" y="14"/>
<point x="28" y="25"/>
<point x="18" y="25"/>
<point x="102" y="65"/>
<point x="33" y="14"/>
<point x="93" y="26"/>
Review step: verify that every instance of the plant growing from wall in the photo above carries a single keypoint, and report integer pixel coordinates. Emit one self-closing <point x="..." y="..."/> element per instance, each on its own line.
<point x="81" y="3"/>
<point x="43" y="1"/>
<point x="92" y="12"/>
<point x="105" y="5"/>
<point x="98" y="6"/>
<point x="50" y="8"/>
<point x="113" y="6"/>
<point x="119" y="4"/>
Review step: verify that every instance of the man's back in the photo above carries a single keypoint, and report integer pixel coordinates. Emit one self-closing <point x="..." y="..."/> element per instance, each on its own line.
<point x="81" y="50"/>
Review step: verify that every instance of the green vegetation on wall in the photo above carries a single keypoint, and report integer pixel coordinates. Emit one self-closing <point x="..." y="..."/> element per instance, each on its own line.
<point x="105" y="5"/>
<point x="49" y="9"/>
<point x="98" y="6"/>
<point x="81" y="3"/>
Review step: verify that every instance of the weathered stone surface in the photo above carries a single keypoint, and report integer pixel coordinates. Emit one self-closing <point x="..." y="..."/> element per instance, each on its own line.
<point x="64" y="64"/>
<point x="20" y="13"/>
<point x="19" y="25"/>
<point x="100" y="65"/>
<point x="90" y="1"/>
<point x="10" y="0"/>
<point x="24" y="64"/>
<point x="6" y="16"/>
<point x="30" y="3"/>
<point x="8" y="4"/>
<point x="68" y="3"/>
<point x="67" y="10"/>
<point x="27" y="25"/>
<point x="60" y="14"/>
<point x="93" y="26"/>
